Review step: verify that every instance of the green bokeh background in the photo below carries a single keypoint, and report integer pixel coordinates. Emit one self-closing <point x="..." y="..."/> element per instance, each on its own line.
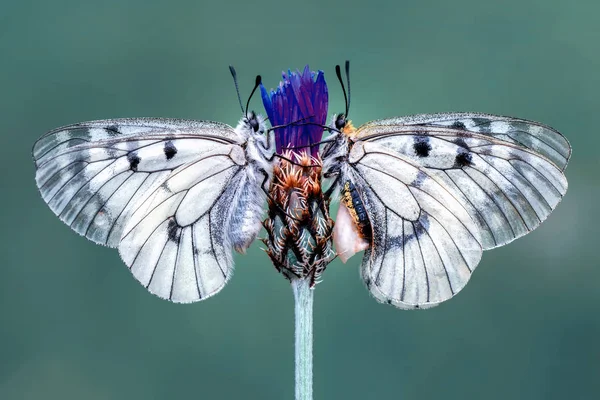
<point x="76" y="325"/>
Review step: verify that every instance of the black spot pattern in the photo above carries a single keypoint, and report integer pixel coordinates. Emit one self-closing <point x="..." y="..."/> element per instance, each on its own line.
<point x="173" y="230"/>
<point x="422" y="146"/>
<point x="113" y="130"/>
<point x="170" y="150"/>
<point x="482" y="125"/>
<point x="463" y="159"/>
<point x="458" y="125"/>
<point x="461" y="142"/>
<point x="134" y="161"/>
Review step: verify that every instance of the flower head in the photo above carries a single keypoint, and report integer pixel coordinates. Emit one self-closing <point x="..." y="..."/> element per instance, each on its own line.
<point x="298" y="225"/>
<point x="299" y="101"/>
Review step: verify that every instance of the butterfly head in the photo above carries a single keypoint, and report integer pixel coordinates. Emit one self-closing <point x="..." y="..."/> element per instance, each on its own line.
<point x="334" y="153"/>
<point x="253" y="123"/>
<point x="340" y="121"/>
<point x="343" y="125"/>
<point x="252" y="127"/>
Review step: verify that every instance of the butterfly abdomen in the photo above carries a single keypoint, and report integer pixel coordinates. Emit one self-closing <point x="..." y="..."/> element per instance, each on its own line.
<point x="352" y="232"/>
<point x="246" y="222"/>
<point x="353" y="201"/>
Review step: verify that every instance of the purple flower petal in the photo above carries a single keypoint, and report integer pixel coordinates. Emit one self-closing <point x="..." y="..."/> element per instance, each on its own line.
<point x="298" y="99"/>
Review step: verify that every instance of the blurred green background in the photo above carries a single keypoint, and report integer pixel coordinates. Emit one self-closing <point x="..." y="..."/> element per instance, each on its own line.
<point x="76" y="325"/>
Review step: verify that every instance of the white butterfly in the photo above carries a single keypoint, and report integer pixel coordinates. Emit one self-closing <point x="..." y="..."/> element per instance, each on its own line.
<point x="174" y="196"/>
<point x="425" y="194"/>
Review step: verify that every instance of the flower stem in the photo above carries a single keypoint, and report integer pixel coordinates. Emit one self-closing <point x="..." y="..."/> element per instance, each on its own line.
<point x="303" y="298"/>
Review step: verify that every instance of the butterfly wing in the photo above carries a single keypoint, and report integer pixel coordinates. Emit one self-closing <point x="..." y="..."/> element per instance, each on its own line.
<point x="531" y="135"/>
<point x="177" y="243"/>
<point x="169" y="193"/>
<point x="507" y="172"/>
<point x="93" y="174"/>
<point x="424" y="244"/>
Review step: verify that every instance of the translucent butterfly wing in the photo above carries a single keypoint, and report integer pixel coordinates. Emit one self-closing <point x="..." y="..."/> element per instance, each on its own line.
<point x="92" y="174"/>
<point x="531" y="135"/>
<point x="507" y="187"/>
<point x="177" y="243"/>
<point x="424" y="245"/>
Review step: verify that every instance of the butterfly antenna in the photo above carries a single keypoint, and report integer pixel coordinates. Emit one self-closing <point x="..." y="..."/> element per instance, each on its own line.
<point x="256" y="85"/>
<point x="237" y="89"/>
<point x="348" y="82"/>
<point x="338" y="73"/>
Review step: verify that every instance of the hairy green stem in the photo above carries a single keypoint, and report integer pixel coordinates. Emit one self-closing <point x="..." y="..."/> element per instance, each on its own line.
<point x="303" y="298"/>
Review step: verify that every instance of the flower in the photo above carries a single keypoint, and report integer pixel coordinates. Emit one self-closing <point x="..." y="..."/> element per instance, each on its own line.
<point x="299" y="100"/>
<point x="299" y="228"/>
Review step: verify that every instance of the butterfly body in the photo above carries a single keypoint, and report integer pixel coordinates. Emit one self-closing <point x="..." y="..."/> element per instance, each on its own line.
<point x="352" y="232"/>
<point x="354" y="203"/>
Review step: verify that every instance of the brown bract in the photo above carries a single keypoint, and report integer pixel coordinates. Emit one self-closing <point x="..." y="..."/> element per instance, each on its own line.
<point x="299" y="228"/>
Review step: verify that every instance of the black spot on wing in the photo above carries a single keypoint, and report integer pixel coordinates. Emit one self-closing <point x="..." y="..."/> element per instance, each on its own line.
<point x="482" y="125"/>
<point x="422" y="146"/>
<point x="461" y="142"/>
<point x="458" y="125"/>
<point x="173" y="230"/>
<point x="134" y="161"/>
<point x="112" y="130"/>
<point x="463" y="159"/>
<point x="170" y="150"/>
<point x="463" y="154"/>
